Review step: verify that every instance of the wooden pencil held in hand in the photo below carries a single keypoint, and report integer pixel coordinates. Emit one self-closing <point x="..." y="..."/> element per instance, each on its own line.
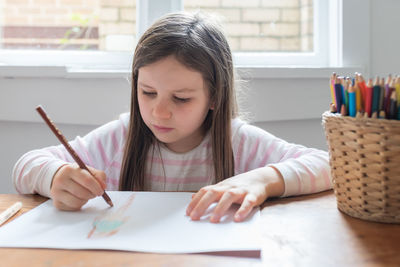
<point x="364" y="157"/>
<point x="65" y="143"/>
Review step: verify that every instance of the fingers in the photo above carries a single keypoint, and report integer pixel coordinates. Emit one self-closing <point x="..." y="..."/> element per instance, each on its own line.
<point x="203" y="200"/>
<point x="226" y="201"/>
<point x="68" y="202"/>
<point x="249" y="202"/>
<point x="86" y="180"/>
<point x="72" y="187"/>
<point x="195" y="199"/>
<point x="225" y="197"/>
<point x="100" y="177"/>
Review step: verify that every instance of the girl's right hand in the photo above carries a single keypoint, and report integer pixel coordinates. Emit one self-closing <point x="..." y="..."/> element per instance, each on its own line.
<point x="72" y="186"/>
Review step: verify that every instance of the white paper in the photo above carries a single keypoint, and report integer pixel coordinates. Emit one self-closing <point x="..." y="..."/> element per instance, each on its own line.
<point x="139" y="221"/>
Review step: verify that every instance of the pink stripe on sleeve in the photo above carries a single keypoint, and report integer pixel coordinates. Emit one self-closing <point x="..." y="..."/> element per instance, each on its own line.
<point x="114" y="141"/>
<point x="180" y="180"/>
<point x="102" y="152"/>
<point x="116" y="164"/>
<point x="175" y="162"/>
<point x="82" y="149"/>
<point x="311" y="177"/>
<point x="252" y="155"/>
<point x="239" y="153"/>
<point x="267" y="154"/>
<point x="58" y="153"/>
<point x="326" y="178"/>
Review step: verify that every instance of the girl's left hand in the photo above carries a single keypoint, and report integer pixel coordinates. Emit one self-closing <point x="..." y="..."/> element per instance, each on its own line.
<point x="248" y="189"/>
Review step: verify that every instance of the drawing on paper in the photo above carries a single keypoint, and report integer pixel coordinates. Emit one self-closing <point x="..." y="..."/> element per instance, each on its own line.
<point x="109" y="223"/>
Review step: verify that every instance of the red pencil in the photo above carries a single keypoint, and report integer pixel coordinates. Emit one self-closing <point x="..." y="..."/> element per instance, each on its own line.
<point x="368" y="98"/>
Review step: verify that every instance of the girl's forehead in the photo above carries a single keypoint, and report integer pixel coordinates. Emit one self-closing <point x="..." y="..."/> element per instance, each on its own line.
<point x="169" y="71"/>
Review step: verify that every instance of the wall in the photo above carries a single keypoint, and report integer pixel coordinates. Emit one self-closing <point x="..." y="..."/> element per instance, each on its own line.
<point x="300" y="124"/>
<point x="385" y="40"/>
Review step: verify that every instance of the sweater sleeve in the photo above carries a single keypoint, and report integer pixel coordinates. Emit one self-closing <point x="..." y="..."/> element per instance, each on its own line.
<point x="33" y="173"/>
<point x="304" y="170"/>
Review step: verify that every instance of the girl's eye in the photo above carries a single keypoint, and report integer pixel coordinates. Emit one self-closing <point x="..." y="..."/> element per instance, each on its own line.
<point x="148" y="93"/>
<point x="182" y="100"/>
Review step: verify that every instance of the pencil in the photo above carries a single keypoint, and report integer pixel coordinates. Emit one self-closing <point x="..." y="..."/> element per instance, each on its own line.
<point x="376" y="95"/>
<point x="70" y="150"/>
<point x="8" y="213"/>
<point x="332" y="85"/>
<point x="368" y="98"/>
<point x="393" y="106"/>
<point x="338" y="95"/>
<point x="352" y="101"/>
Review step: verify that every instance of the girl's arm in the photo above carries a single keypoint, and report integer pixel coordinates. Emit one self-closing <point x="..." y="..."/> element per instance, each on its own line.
<point x="38" y="171"/>
<point x="265" y="166"/>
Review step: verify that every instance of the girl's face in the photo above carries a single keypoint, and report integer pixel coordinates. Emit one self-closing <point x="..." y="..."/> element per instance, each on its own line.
<point x="173" y="102"/>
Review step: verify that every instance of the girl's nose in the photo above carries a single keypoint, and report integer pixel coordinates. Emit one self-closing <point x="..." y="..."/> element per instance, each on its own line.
<point x="161" y="110"/>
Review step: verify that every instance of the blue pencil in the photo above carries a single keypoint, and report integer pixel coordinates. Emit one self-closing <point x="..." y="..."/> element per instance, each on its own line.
<point x="338" y="95"/>
<point x="352" y="101"/>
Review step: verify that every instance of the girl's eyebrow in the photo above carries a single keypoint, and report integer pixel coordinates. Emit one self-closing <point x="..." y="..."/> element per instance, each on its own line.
<point x="183" y="90"/>
<point x="144" y="85"/>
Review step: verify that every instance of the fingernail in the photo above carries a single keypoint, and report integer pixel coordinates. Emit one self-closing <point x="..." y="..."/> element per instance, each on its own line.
<point x="214" y="219"/>
<point x="194" y="215"/>
<point x="237" y="217"/>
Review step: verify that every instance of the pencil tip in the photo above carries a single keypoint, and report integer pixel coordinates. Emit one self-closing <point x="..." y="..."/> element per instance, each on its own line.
<point x="108" y="199"/>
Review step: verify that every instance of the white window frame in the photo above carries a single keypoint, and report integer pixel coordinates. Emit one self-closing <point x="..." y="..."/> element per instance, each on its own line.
<point x="24" y="83"/>
<point x="66" y="63"/>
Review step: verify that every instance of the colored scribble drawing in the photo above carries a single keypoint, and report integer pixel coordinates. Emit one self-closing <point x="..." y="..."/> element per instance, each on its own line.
<point x="109" y="223"/>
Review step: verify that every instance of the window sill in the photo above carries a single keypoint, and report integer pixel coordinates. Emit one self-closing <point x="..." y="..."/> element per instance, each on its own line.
<point x="245" y="72"/>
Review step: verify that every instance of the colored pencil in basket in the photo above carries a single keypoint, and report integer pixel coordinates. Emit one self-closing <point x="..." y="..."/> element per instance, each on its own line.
<point x="359" y="106"/>
<point x="398" y="112"/>
<point x="338" y="95"/>
<point x="361" y="83"/>
<point x="376" y="95"/>
<point x="397" y="87"/>
<point x="332" y="86"/>
<point x="382" y="98"/>
<point x="368" y="98"/>
<point x="352" y="101"/>
<point x="345" y="94"/>
<point x="393" y="106"/>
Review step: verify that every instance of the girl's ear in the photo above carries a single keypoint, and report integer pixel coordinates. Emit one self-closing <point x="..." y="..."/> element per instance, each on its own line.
<point x="212" y="105"/>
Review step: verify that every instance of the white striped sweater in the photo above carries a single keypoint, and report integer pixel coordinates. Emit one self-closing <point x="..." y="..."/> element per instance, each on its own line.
<point x="305" y="170"/>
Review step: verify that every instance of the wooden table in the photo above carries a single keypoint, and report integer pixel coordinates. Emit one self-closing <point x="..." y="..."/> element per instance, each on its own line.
<point x="297" y="231"/>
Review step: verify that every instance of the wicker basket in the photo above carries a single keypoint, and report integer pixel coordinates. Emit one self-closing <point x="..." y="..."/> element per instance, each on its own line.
<point x="365" y="164"/>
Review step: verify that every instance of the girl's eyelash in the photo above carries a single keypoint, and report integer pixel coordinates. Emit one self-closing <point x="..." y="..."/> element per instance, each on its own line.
<point x="183" y="100"/>
<point x="148" y="93"/>
<point x="178" y="99"/>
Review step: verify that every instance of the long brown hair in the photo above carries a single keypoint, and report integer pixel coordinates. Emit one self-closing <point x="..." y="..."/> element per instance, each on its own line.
<point x="197" y="42"/>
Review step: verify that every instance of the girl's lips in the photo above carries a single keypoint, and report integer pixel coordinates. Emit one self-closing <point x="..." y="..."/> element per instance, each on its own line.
<point x="162" y="129"/>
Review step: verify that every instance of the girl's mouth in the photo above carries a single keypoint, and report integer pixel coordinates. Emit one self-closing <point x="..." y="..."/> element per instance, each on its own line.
<point x="162" y="129"/>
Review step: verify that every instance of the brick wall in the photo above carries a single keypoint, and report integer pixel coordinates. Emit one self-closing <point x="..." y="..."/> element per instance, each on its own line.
<point x="260" y="25"/>
<point x="251" y="25"/>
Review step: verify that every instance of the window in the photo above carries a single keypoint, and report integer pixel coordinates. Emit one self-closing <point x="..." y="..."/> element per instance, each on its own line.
<point x="102" y="33"/>
<point x="68" y="25"/>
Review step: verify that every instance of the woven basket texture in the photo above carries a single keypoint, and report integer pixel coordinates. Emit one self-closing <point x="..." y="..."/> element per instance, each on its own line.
<point x="365" y="164"/>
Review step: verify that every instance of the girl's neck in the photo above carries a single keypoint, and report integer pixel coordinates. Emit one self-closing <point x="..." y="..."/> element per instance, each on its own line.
<point x="185" y="145"/>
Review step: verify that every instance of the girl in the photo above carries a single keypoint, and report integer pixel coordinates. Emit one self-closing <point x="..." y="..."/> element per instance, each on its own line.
<point x="182" y="134"/>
